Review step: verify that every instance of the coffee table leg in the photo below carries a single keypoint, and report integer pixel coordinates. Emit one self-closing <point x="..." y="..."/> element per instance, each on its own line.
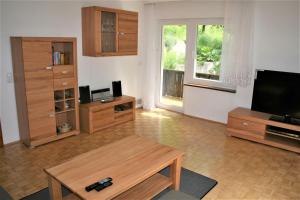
<point x="54" y="189"/>
<point x="175" y="173"/>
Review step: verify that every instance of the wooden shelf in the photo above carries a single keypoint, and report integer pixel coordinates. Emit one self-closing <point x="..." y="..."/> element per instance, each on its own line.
<point x="282" y="135"/>
<point x="147" y="189"/>
<point x="66" y="132"/>
<point x="53" y="138"/>
<point x="62" y="100"/>
<point x="71" y="197"/>
<point x="65" y="111"/>
<point x="68" y="99"/>
<point x="63" y="65"/>
<point x="284" y="143"/>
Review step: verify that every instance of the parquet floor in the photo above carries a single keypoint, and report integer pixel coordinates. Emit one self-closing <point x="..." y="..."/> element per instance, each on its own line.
<point x="244" y="170"/>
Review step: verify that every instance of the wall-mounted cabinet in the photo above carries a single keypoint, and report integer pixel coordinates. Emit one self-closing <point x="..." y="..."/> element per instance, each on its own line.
<point x="109" y="32"/>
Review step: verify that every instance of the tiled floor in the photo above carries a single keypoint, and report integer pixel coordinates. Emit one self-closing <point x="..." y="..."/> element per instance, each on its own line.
<point x="244" y="170"/>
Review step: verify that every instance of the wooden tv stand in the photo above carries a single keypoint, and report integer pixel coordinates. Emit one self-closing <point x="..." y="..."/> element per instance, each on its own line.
<point x="95" y="116"/>
<point x="251" y="125"/>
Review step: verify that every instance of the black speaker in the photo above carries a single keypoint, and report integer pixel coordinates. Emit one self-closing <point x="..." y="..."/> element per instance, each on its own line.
<point x="84" y="92"/>
<point x="117" y="88"/>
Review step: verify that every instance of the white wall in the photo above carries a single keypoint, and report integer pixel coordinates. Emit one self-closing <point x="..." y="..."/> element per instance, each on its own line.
<point x="63" y="19"/>
<point x="276" y="47"/>
<point x="277" y="36"/>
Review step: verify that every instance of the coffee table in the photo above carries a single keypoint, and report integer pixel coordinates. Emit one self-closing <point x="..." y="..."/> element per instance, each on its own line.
<point x="133" y="163"/>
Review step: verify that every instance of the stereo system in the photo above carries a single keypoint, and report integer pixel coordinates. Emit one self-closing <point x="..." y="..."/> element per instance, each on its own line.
<point x="102" y="95"/>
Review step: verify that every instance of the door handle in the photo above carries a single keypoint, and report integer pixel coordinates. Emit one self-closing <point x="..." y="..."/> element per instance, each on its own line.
<point x="51" y="114"/>
<point x="49" y="68"/>
<point x="64" y="72"/>
<point x="65" y="83"/>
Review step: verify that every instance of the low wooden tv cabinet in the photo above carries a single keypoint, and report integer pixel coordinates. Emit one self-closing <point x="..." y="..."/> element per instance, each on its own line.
<point x="251" y="125"/>
<point x="95" y="116"/>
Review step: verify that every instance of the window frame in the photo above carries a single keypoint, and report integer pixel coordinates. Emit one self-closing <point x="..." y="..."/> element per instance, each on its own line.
<point x="190" y="58"/>
<point x="159" y="64"/>
<point x="192" y="34"/>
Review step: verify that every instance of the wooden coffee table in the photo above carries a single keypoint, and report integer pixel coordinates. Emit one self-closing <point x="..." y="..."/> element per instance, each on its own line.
<point x="133" y="163"/>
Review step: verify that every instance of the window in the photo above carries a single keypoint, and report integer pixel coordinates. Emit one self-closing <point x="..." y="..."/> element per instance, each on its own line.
<point x="204" y="52"/>
<point x="174" y="45"/>
<point x="209" y="50"/>
<point x="173" y="64"/>
<point x="191" y="53"/>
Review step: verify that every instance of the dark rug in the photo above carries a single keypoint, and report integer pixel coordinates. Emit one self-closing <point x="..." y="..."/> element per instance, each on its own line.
<point x="191" y="183"/>
<point x="4" y="195"/>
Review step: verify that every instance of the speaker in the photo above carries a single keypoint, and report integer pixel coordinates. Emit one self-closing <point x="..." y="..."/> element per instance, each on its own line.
<point x="117" y="88"/>
<point x="84" y="92"/>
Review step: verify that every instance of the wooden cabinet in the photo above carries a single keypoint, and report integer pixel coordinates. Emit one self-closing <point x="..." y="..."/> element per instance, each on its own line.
<point x="253" y="128"/>
<point x="109" y="32"/>
<point x="257" y="126"/>
<point x="96" y="115"/>
<point x="37" y="83"/>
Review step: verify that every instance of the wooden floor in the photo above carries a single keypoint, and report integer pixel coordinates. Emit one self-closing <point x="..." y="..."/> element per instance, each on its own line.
<point x="243" y="169"/>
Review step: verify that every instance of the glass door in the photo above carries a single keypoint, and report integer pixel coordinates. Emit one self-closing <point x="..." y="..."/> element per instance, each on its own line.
<point x="172" y="66"/>
<point x="108" y="31"/>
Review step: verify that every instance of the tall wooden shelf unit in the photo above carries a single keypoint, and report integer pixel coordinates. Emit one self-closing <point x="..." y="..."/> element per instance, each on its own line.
<point x="46" y="93"/>
<point x="109" y="32"/>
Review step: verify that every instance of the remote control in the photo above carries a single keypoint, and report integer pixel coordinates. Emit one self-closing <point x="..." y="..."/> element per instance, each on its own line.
<point x="103" y="186"/>
<point x="100" y="182"/>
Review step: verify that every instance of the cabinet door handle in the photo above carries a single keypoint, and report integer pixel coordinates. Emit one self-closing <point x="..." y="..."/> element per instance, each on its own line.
<point x="49" y="68"/>
<point x="51" y="114"/>
<point x="64" y="72"/>
<point x="65" y="83"/>
<point x="245" y="124"/>
<point x="122" y="33"/>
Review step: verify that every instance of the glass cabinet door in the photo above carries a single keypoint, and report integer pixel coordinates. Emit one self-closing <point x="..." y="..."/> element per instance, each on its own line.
<point x="108" y="31"/>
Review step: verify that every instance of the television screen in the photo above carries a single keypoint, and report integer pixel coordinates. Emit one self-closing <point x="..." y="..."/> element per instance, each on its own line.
<point x="277" y="93"/>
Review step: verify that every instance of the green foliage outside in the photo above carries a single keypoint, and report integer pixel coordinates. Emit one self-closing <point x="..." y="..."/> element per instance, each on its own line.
<point x="209" y="46"/>
<point x="172" y="35"/>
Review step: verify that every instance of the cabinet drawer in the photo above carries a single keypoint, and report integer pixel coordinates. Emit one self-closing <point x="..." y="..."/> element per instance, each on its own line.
<point x="102" y="118"/>
<point x="63" y="83"/>
<point x="124" y="118"/>
<point x="63" y="71"/>
<point x="245" y="125"/>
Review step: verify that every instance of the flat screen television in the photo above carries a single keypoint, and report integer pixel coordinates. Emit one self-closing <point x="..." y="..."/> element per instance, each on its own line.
<point x="277" y="93"/>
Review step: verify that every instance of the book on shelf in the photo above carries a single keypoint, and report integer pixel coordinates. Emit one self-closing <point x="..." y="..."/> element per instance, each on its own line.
<point x="58" y="58"/>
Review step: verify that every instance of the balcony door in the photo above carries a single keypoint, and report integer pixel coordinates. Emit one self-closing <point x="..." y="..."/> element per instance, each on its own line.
<point x="173" y="58"/>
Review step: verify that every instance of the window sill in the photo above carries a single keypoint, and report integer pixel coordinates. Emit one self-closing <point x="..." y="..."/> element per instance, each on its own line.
<point x="222" y="89"/>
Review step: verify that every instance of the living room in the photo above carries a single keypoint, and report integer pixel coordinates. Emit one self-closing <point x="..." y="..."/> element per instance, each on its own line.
<point x="243" y="168"/>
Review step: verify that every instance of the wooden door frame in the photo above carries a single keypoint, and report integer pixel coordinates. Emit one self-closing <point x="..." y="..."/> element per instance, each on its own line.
<point x="1" y="138"/>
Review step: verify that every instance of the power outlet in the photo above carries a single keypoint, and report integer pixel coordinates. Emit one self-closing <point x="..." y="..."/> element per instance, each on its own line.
<point x="139" y="103"/>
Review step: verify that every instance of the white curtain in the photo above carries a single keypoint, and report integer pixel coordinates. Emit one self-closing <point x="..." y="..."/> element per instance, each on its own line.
<point x="149" y="57"/>
<point x="237" y="54"/>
